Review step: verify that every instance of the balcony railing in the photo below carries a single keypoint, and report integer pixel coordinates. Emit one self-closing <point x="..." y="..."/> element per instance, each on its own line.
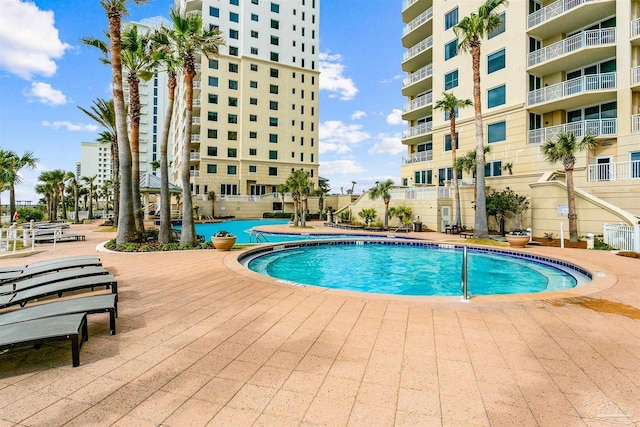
<point x="419" y="20"/>
<point x="635" y="28"/>
<point x="635" y="76"/>
<point x="196" y="84"/>
<point x="635" y="123"/>
<point x="422" y="73"/>
<point x="614" y="171"/>
<point x="195" y="138"/>
<point x="407" y="3"/>
<point x="196" y="102"/>
<point x="418" y="48"/>
<point x="419" y="102"/>
<point x="194" y="156"/>
<point x="598" y="127"/>
<point x="194" y="174"/>
<point x="571" y="44"/>
<point x="553" y="10"/>
<point x="195" y="120"/>
<point x="419" y="157"/>
<point x="421" y="129"/>
<point x="583" y="84"/>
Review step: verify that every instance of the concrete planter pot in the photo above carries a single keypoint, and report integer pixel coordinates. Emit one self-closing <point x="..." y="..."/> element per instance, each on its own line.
<point x="517" y="241"/>
<point x="223" y="243"/>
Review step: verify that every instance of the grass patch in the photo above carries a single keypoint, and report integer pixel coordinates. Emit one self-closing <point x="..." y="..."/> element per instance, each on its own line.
<point x="106" y="230"/>
<point x="486" y="242"/>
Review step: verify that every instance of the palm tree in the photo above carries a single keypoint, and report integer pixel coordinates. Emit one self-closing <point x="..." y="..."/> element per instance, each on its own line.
<point x="126" y="221"/>
<point x="70" y="177"/>
<point x="282" y="190"/>
<point x="467" y="163"/>
<point x="106" y="188"/>
<point x="381" y="190"/>
<point x="298" y="184"/>
<point x="564" y="150"/>
<point x="53" y="179"/>
<point x="211" y="196"/>
<point x="90" y="180"/>
<point x="190" y="40"/>
<point x="103" y="112"/>
<point x="470" y="32"/>
<point x="323" y="188"/>
<point x="403" y="213"/>
<point x="11" y="175"/>
<point x="47" y="192"/>
<point x="5" y="171"/>
<point x="449" y="104"/>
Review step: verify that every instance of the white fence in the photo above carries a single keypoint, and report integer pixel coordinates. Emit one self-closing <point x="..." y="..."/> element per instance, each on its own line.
<point x="622" y="237"/>
<point x="420" y="193"/>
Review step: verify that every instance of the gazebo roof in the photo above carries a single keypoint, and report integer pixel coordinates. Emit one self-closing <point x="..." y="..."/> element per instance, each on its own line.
<point x="150" y="183"/>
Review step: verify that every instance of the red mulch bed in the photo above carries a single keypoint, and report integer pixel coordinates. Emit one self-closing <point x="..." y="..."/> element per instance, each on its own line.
<point x="556" y="243"/>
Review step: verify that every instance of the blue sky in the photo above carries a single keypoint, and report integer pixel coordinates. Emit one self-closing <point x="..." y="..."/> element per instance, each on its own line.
<point x="45" y="74"/>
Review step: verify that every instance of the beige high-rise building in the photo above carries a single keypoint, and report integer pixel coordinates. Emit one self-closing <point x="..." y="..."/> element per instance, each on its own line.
<point x="553" y="67"/>
<point x="255" y="111"/>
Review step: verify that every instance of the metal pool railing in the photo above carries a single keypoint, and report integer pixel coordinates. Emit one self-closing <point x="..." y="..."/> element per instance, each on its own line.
<point x="465" y="281"/>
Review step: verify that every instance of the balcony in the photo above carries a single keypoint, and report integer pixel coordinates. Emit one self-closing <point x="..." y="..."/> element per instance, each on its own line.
<point x="194" y="156"/>
<point x="194" y="174"/>
<point x="635" y="78"/>
<point x="421" y="130"/>
<point x="413" y="8"/>
<point x="635" y="32"/>
<point x="196" y="102"/>
<point x="599" y="127"/>
<point x="193" y="5"/>
<point x="195" y="121"/>
<point x="417" y="55"/>
<point x="614" y="171"/>
<point x="415" y="30"/>
<point x="197" y="85"/>
<point x="586" y="47"/>
<point x="417" y="107"/>
<point x="544" y="22"/>
<point x="195" y="137"/>
<point x="573" y="93"/>
<point x="419" y="157"/>
<point x="635" y="123"/>
<point x="418" y="82"/>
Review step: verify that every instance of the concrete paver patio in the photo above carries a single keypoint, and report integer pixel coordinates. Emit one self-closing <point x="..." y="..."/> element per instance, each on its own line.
<point x="201" y="341"/>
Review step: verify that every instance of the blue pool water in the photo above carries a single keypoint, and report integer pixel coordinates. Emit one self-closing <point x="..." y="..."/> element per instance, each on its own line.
<point x="409" y="269"/>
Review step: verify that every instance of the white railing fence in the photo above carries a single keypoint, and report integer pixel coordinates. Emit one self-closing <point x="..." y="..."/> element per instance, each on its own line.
<point x="571" y="44"/>
<point x="598" y="127"/>
<point x="419" y="157"/>
<point x="635" y="27"/>
<point x="417" y="130"/>
<point x="418" y="48"/>
<point x="420" y="193"/>
<point x="622" y="237"/>
<point x="416" y="76"/>
<point x="614" y="171"/>
<point x="419" y="20"/>
<point x="583" y="84"/>
<point x="635" y="123"/>
<point x="553" y="10"/>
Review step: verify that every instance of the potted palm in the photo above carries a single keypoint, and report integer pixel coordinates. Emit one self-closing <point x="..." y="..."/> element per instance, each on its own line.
<point x="223" y="240"/>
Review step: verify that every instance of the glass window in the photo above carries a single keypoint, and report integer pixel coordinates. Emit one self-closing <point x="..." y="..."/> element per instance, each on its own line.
<point x="233" y="17"/>
<point x="451" y="80"/>
<point x="253" y="169"/>
<point x="253" y="135"/>
<point x="273" y="121"/>
<point x="253" y="101"/>
<point x="233" y="34"/>
<point x="212" y="133"/>
<point x="233" y="2"/>
<point x="275" y="24"/>
<point x="273" y="138"/>
<point x="275" y="8"/>
<point x="253" y="151"/>
<point x="231" y="170"/>
<point x="214" y="11"/>
<point x="213" y="99"/>
<point x="273" y="72"/>
<point x="233" y="102"/>
<point x="496" y="61"/>
<point x="232" y="152"/>
<point x="212" y="168"/>
<point x="232" y="135"/>
<point x="493" y="168"/>
<point x="497" y="96"/>
<point x="451" y="19"/>
<point x="212" y="116"/>
<point x="274" y="56"/>
<point x="253" y="84"/>
<point x="254" y="17"/>
<point x="233" y="51"/>
<point x="233" y="68"/>
<point x="497" y="132"/>
<point x="451" y="49"/>
<point x="213" y="81"/>
<point x="275" y="40"/>
<point x="254" y="34"/>
<point x="447" y="142"/>
<point x="213" y="64"/>
<point x="273" y="89"/>
<point x="273" y="171"/>
<point x="212" y="151"/>
<point x="273" y="105"/>
<point x="232" y="118"/>
<point x="273" y="155"/>
<point x="253" y="118"/>
<point x="233" y="84"/>
<point x="254" y="51"/>
<point x="501" y="28"/>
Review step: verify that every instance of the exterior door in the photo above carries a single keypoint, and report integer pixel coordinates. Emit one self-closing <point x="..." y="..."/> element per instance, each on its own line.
<point x="635" y="164"/>
<point x="603" y="165"/>
<point x="445" y="217"/>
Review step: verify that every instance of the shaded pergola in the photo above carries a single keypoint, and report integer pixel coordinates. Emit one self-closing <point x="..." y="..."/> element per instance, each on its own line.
<point x="150" y="184"/>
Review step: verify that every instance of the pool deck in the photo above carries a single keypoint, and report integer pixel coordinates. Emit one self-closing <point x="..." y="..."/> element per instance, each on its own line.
<point x="202" y="341"/>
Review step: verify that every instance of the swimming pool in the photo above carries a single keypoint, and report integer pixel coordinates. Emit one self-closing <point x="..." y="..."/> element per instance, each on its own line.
<point x="411" y="268"/>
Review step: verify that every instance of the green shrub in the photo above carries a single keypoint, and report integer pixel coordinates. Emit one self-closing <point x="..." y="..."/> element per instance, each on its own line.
<point x="27" y="214"/>
<point x="287" y="215"/>
<point x="145" y="248"/>
<point x="599" y="244"/>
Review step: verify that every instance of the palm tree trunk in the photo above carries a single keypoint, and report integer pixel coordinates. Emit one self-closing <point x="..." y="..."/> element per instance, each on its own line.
<point x="480" y="226"/>
<point x="134" y="143"/>
<point x="303" y="221"/>
<point x="76" y="207"/>
<point x="115" y="178"/>
<point x="126" y="224"/>
<point x="188" y="233"/>
<point x="573" y="217"/>
<point x="456" y="186"/>
<point x="164" y="235"/>
<point x="91" y="202"/>
<point x="296" y="210"/>
<point x="12" y="200"/>
<point x="386" y="214"/>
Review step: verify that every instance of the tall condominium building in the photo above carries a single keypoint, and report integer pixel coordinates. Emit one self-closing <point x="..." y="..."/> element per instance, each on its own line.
<point x="552" y="67"/>
<point x="95" y="160"/>
<point x="255" y="109"/>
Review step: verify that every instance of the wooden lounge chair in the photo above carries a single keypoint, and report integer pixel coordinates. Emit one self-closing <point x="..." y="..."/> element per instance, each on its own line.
<point x="58" y="288"/>
<point x="40" y="331"/>
<point x="59" y="276"/>
<point x="106" y="303"/>
<point x="31" y="270"/>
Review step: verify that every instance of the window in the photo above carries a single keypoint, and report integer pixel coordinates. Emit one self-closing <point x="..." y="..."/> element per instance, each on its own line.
<point x="253" y="151"/>
<point x="275" y="40"/>
<point x="273" y="171"/>
<point x="496" y="61"/>
<point x="213" y="64"/>
<point x="275" y="24"/>
<point x="496" y="96"/>
<point x="451" y="80"/>
<point x="212" y="116"/>
<point x="254" y="34"/>
<point x="254" y="51"/>
<point x="451" y="19"/>
<point x="447" y="142"/>
<point x="232" y="152"/>
<point x="233" y="34"/>
<point x="302" y="157"/>
<point x="451" y="49"/>
<point x="232" y="135"/>
<point x="232" y="169"/>
<point x="233" y="84"/>
<point x="233" y="51"/>
<point x="213" y="81"/>
<point x="273" y="155"/>
<point x="233" y="17"/>
<point x="493" y="168"/>
<point x="253" y="84"/>
<point x="233" y="102"/>
<point x="274" y="56"/>
<point x="254" y="67"/>
<point x="232" y="118"/>
<point x="273" y="105"/>
<point x="212" y="168"/>
<point x="273" y="89"/>
<point x="254" y="1"/>
<point x="253" y="135"/>
<point x="213" y="99"/>
<point x="233" y="68"/>
<point x="254" y="17"/>
<point x="275" y="8"/>
<point x="253" y="101"/>
<point x="212" y="133"/>
<point x="273" y="138"/>
<point x="253" y="118"/>
<point x="233" y="2"/>
<point x="273" y="72"/>
<point x="497" y="132"/>
<point x="214" y="11"/>
<point x="212" y="151"/>
<point x="273" y="121"/>
<point x="423" y="177"/>
<point x="501" y="28"/>
<point x="253" y="169"/>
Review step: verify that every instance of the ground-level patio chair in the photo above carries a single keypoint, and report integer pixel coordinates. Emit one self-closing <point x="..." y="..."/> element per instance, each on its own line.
<point x="8" y="274"/>
<point x="59" y="276"/>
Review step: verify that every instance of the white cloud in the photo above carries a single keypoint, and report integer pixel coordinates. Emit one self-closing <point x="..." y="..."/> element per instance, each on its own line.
<point x="387" y="144"/>
<point x="29" y="41"/>
<point x="391" y="80"/>
<point x="340" y="167"/>
<point x="357" y="115"/>
<point x="332" y="78"/>
<point x="395" y="117"/>
<point x="45" y="94"/>
<point x="156" y="21"/>
<point x="71" y="127"/>
<point x="339" y="137"/>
